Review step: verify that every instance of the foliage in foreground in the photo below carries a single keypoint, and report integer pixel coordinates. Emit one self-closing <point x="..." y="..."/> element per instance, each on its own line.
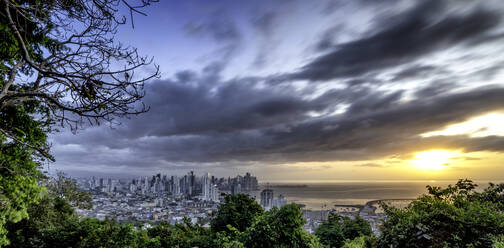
<point x="336" y="230"/>
<point x="53" y="223"/>
<point x="238" y="211"/>
<point x="19" y="170"/>
<point x="54" y="209"/>
<point x="56" y="62"/>
<point x="456" y="216"/>
<point x="279" y="228"/>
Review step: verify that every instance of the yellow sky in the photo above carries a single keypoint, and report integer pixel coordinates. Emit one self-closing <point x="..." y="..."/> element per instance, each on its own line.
<point x="421" y="165"/>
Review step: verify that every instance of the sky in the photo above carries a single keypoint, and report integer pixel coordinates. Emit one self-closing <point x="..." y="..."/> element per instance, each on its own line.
<point x="309" y="90"/>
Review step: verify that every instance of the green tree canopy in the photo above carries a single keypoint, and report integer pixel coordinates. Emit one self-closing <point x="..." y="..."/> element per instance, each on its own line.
<point x="58" y="65"/>
<point x="279" y="228"/>
<point x="183" y="235"/>
<point x="64" y="187"/>
<point x="51" y="212"/>
<point x="456" y="216"/>
<point x="336" y="230"/>
<point x="19" y="167"/>
<point x="238" y="211"/>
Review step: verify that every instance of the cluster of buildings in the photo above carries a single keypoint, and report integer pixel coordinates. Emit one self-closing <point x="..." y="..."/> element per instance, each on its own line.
<point x="172" y="198"/>
<point x="161" y="197"/>
<point x="206" y="187"/>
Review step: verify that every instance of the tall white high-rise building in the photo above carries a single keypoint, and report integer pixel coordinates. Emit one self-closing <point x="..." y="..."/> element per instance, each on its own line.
<point x="93" y="183"/>
<point x="206" y="187"/>
<point x="110" y="186"/>
<point x="146" y="186"/>
<point x="210" y="191"/>
<point x="176" y="185"/>
<point x="214" y="193"/>
<point x="267" y="198"/>
<point x="132" y="188"/>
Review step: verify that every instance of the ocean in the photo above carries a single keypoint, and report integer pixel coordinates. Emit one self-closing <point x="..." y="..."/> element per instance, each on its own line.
<point x="324" y="195"/>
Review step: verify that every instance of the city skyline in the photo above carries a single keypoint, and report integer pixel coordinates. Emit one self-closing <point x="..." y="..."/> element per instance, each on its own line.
<point x="300" y="90"/>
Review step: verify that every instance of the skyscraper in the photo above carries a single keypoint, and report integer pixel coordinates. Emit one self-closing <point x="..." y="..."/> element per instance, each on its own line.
<point x="210" y="191"/>
<point x="146" y="187"/>
<point x="176" y="185"/>
<point x="267" y="198"/>
<point x="109" y="185"/>
<point x="206" y="187"/>
<point x="249" y="182"/>
<point x="191" y="183"/>
<point x="236" y="188"/>
<point x="214" y="193"/>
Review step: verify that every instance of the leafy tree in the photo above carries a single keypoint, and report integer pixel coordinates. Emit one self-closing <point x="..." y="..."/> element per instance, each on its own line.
<point x="59" y="64"/>
<point x="53" y="223"/>
<point x="52" y="211"/>
<point x="238" y="211"/>
<point x="91" y="233"/>
<point x="279" y="228"/>
<point x="66" y="188"/>
<point x="353" y="228"/>
<point x="19" y="170"/>
<point x="67" y="53"/>
<point x="337" y="229"/>
<point x="226" y="240"/>
<point x="330" y="232"/>
<point x="181" y="235"/>
<point x="455" y="216"/>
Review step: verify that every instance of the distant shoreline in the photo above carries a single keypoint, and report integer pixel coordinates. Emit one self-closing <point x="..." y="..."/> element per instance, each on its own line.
<point x="287" y="186"/>
<point x="282" y="183"/>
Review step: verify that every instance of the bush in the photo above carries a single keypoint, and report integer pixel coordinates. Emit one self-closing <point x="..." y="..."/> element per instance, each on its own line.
<point x="453" y="217"/>
<point x="337" y="229"/>
<point x="279" y="228"/>
<point x="238" y="211"/>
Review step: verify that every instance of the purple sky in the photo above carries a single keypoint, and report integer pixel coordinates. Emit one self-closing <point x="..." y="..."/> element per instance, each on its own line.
<point x="291" y="89"/>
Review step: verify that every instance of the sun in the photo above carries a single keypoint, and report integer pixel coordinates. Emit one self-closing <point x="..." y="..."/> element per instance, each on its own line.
<point x="432" y="160"/>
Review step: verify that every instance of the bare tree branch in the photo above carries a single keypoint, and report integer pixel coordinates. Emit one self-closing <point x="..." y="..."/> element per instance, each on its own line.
<point x="79" y="73"/>
<point x="12" y="77"/>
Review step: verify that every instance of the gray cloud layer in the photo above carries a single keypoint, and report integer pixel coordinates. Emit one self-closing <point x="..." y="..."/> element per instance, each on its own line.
<point x="402" y="39"/>
<point x="199" y="117"/>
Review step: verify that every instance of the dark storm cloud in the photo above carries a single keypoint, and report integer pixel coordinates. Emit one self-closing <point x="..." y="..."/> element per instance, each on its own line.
<point x="435" y="89"/>
<point x="193" y="104"/>
<point x="327" y="39"/>
<point x="396" y="127"/>
<point x="422" y="30"/>
<point x="383" y="127"/>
